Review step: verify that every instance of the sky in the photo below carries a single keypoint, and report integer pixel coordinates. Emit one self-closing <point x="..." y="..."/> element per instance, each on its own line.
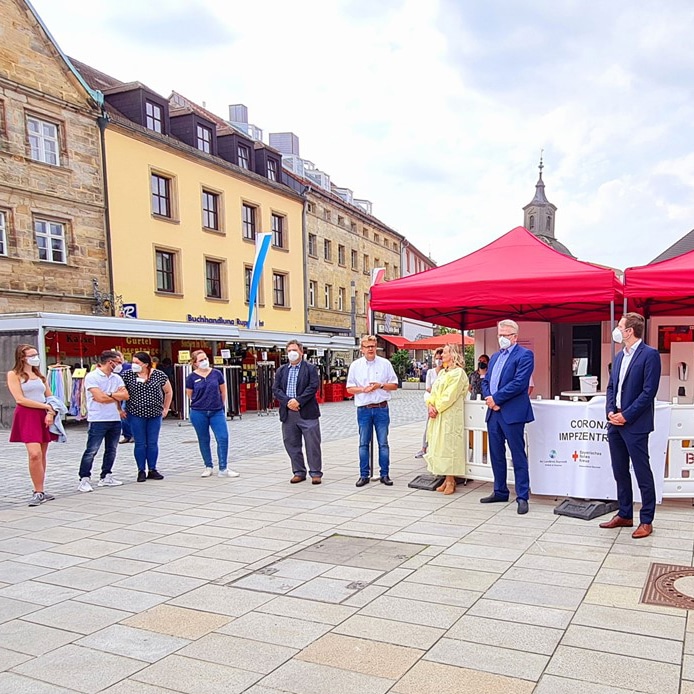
<point x="437" y="111"/>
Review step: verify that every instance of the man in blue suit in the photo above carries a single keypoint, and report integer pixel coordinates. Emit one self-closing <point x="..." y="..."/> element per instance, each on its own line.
<point x="631" y="393"/>
<point x="295" y="386"/>
<point x="505" y="390"/>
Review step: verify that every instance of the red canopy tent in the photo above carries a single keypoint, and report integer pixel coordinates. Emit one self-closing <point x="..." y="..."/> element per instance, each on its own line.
<point x="664" y="288"/>
<point x="437" y="341"/>
<point x="517" y="276"/>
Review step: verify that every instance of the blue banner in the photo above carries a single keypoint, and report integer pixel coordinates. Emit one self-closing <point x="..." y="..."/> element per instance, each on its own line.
<point x="262" y="245"/>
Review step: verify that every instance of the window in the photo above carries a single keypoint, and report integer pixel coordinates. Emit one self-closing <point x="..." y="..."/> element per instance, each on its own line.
<point x="312" y="245"/>
<point x="386" y="267"/>
<point x="161" y="195"/>
<point x="353" y="227"/>
<point x="340" y="220"/>
<point x="326" y="214"/>
<point x="154" y="117"/>
<point x="376" y="238"/>
<point x="210" y="210"/>
<point x="50" y="239"/>
<point x="213" y="277"/>
<point x="365" y="232"/>
<point x="328" y="296"/>
<point x="366" y="264"/>
<point x="366" y="306"/>
<point x="531" y="226"/>
<point x="247" y="274"/>
<point x="272" y="169"/>
<point x="341" y="299"/>
<point x="328" y="250"/>
<point x="341" y="255"/>
<point x="204" y="139"/>
<point x="244" y="156"/>
<point x="355" y="260"/>
<point x="3" y="233"/>
<point x="279" y="287"/>
<point x="385" y="243"/>
<point x="166" y="278"/>
<point x="277" y="222"/>
<point x="43" y="140"/>
<point x="310" y="207"/>
<point x="312" y="291"/>
<point x="548" y="225"/>
<point x="249" y="222"/>
<point x="395" y="272"/>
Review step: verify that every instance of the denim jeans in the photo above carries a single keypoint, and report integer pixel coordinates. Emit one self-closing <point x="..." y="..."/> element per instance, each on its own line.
<point x="368" y="419"/>
<point x="126" y="429"/>
<point x="146" y="433"/>
<point x="98" y="432"/>
<point x="203" y="421"/>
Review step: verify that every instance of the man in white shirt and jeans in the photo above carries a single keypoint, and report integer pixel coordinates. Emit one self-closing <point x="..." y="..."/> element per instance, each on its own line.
<point x="371" y="379"/>
<point x="105" y="392"/>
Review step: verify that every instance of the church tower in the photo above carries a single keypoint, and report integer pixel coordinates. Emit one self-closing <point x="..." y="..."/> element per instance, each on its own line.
<point x="539" y="216"/>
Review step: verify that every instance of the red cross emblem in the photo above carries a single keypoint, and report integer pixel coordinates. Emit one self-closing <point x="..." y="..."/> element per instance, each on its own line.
<point x="575" y="456"/>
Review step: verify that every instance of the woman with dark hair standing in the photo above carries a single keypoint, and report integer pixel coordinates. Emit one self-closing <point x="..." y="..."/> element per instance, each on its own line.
<point x="150" y="398"/>
<point x="207" y="391"/>
<point x="33" y="415"/>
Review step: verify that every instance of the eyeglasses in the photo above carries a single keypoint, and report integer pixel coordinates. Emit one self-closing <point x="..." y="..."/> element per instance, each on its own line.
<point x="368" y="346"/>
<point x="506" y="334"/>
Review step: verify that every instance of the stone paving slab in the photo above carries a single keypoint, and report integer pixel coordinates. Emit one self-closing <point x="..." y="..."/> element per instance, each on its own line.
<point x="477" y="600"/>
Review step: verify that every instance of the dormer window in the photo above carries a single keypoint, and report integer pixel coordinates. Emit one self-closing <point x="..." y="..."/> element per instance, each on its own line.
<point x="244" y="157"/>
<point x="272" y="169"/>
<point x="154" y="117"/>
<point x="204" y="139"/>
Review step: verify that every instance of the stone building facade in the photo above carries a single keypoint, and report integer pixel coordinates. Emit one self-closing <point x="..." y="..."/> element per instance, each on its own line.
<point x="52" y="214"/>
<point x="343" y="245"/>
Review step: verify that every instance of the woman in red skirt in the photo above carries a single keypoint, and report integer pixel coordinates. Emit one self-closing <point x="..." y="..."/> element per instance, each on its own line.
<point x="33" y="415"/>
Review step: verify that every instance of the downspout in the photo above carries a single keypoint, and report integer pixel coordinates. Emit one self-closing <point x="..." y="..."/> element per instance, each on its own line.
<point x="102" y="122"/>
<point x="304" y="242"/>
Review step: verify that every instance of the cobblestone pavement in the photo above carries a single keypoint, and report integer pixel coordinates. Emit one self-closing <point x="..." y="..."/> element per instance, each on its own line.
<point x="253" y="585"/>
<point x="250" y="435"/>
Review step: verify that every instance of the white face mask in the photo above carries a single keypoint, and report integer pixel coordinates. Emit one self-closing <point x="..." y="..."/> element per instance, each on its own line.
<point x="204" y="364"/>
<point x="293" y="355"/>
<point x="117" y="368"/>
<point x="504" y="342"/>
<point x="34" y="361"/>
<point x="137" y="368"/>
<point x="438" y="362"/>
<point x="617" y="336"/>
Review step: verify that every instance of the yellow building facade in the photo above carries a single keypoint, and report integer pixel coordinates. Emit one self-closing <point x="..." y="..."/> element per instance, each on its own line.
<point x="182" y="226"/>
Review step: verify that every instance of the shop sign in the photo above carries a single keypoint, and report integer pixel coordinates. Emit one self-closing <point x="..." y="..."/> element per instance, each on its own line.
<point x="220" y="320"/>
<point x="129" y="311"/>
<point x="84" y="346"/>
<point x="183" y="356"/>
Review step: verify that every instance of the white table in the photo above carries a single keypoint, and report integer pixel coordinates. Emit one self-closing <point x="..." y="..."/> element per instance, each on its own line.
<point x="571" y="394"/>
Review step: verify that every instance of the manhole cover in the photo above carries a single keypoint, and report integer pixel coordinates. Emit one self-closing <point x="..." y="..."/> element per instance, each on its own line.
<point x="670" y="585"/>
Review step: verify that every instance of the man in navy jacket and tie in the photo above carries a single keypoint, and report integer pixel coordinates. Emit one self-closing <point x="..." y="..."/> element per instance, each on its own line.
<point x="631" y="393"/>
<point x="505" y="390"/>
<point x="295" y="386"/>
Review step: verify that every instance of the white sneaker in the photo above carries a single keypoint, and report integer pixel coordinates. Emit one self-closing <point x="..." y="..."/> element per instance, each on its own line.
<point x="207" y="472"/>
<point x="85" y="485"/>
<point x="228" y="472"/>
<point x="109" y="481"/>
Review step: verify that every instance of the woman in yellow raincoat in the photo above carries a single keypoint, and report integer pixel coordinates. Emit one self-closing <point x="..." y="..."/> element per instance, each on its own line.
<point x="445" y="454"/>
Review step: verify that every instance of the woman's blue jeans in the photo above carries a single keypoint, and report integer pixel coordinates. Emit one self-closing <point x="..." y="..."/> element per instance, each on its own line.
<point x="146" y="432"/>
<point x="203" y="421"/>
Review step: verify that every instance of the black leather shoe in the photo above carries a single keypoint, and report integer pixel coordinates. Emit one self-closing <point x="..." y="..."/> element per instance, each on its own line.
<point x="362" y="481"/>
<point x="522" y="506"/>
<point x="141" y="476"/>
<point x="155" y="475"/>
<point x="387" y="481"/>
<point x="493" y="499"/>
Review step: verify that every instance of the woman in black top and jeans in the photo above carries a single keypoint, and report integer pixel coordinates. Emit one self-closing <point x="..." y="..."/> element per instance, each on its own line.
<point x="150" y="398"/>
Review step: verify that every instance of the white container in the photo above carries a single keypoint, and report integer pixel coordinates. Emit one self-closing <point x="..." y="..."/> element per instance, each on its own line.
<point x="589" y="384"/>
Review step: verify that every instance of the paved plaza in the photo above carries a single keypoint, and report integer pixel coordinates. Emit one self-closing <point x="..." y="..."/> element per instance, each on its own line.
<point x="254" y="585"/>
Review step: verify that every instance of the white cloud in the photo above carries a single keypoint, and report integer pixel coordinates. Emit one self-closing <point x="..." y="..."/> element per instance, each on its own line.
<point x="437" y="111"/>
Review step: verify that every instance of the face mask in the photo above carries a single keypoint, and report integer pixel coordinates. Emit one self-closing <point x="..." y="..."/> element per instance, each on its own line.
<point x="34" y="361"/>
<point x="293" y="355"/>
<point x="204" y="364"/>
<point x="482" y="365"/>
<point x="617" y="336"/>
<point x="137" y="368"/>
<point x="438" y="362"/>
<point x="504" y="342"/>
<point x="117" y="368"/>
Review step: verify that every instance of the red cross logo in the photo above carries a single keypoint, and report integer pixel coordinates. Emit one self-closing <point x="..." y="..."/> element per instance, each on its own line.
<point x="575" y="456"/>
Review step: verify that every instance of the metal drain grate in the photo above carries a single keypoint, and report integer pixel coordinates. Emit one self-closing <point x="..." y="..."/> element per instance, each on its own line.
<point x="665" y="586"/>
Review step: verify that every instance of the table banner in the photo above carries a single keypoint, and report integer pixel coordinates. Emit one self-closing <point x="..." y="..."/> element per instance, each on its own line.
<point x="569" y="455"/>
